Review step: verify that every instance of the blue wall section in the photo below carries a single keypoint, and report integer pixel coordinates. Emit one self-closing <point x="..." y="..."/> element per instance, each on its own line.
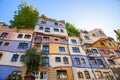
<point x="81" y="64"/>
<point x="5" y="71"/>
<point x="97" y="64"/>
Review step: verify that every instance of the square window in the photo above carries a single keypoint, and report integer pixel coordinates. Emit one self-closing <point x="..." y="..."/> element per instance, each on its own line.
<point x="75" y="49"/>
<point x="61" y="74"/>
<point x="73" y="41"/>
<point x="45" y="61"/>
<point x="102" y="44"/>
<point x="65" y="60"/>
<point x="98" y="74"/>
<point x="27" y="36"/>
<point x="23" y="46"/>
<point x="47" y="29"/>
<point x="6" y="44"/>
<point x="87" y="75"/>
<point x="61" y="49"/>
<point x="111" y="62"/>
<point x="56" y="39"/>
<point x="40" y="28"/>
<point x="1" y="55"/>
<point x="38" y="39"/>
<point x="92" y="61"/>
<point x="56" y="30"/>
<point x="100" y="62"/>
<point x="14" y="58"/>
<point x="56" y="24"/>
<point x="4" y="35"/>
<point x="86" y="37"/>
<point x="37" y="47"/>
<point x="46" y="38"/>
<point x="77" y="61"/>
<point x="102" y="51"/>
<point x="1" y="43"/>
<point x="94" y="51"/>
<point x="43" y="22"/>
<point x="62" y="30"/>
<point x="57" y="59"/>
<point x="45" y="49"/>
<point x="83" y="61"/>
<point x="80" y="75"/>
<point x="20" y="36"/>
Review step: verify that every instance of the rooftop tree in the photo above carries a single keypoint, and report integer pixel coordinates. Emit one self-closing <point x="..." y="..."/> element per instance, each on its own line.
<point x="25" y="17"/>
<point x="72" y="30"/>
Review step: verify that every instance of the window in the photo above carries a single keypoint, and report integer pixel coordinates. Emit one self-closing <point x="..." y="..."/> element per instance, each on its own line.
<point x="98" y="74"/>
<point x="111" y="62"/>
<point x="77" y="61"/>
<point x="100" y="62"/>
<point x="46" y="38"/>
<point x="92" y="61"/>
<point x="40" y="75"/>
<point x="56" y="24"/>
<point x="1" y="43"/>
<point x="100" y="32"/>
<point x="61" y="74"/>
<point x="61" y="49"/>
<point x="110" y="44"/>
<point x="83" y="61"/>
<point x="45" y="61"/>
<point x="65" y="60"/>
<point x="4" y="35"/>
<point x="94" y="51"/>
<point x="117" y="52"/>
<point x="56" y="30"/>
<point x="45" y="49"/>
<point x="27" y="36"/>
<point x="17" y="72"/>
<point x="40" y="28"/>
<point x="80" y="75"/>
<point x="6" y="44"/>
<point x="15" y="58"/>
<point x="1" y="55"/>
<point x="102" y="44"/>
<point x="87" y="75"/>
<point x="94" y="35"/>
<point x="62" y="30"/>
<point x="20" y="36"/>
<point x="38" y="39"/>
<point x="75" y="49"/>
<point x="23" y="45"/>
<point x="43" y="22"/>
<point x="86" y="37"/>
<point x="47" y="29"/>
<point x="37" y="47"/>
<point x="102" y="51"/>
<point x="73" y="41"/>
<point x="57" y="59"/>
<point x="107" y="76"/>
<point x="43" y="75"/>
<point x="56" y="39"/>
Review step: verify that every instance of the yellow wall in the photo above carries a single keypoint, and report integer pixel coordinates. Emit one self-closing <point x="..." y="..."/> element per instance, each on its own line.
<point x="54" y="49"/>
<point x="69" y="72"/>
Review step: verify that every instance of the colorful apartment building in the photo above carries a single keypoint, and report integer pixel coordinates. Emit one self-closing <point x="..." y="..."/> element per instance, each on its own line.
<point x="90" y="56"/>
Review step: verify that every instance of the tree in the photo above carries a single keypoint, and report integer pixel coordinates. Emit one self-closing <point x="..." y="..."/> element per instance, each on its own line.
<point x="118" y="34"/>
<point x="72" y="30"/>
<point x="32" y="59"/>
<point x="25" y="17"/>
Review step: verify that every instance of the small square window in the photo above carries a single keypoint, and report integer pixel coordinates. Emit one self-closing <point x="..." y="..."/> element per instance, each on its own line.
<point x="6" y="44"/>
<point x="1" y="43"/>
<point x="20" y="36"/>
<point x="40" y="28"/>
<point x="98" y="74"/>
<point x="56" y="30"/>
<point x="62" y="30"/>
<point x="92" y="61"/>
<point x="46" y="38"/>
<point x="27" y="36"/>
<point x="83" y="61"/>
<point x="61" y="49"/>
<point x="56" y="39"/>
<point x="86" y="37"/>
<point x="4" y="35"/>
<point x="65" y="60"/>
<point x="75" y="49"/>
<point x="111" y="62"/>
<point x="62" y="74"/>
<point x="87" y="75"/>
<point x="57" y="59"/>
<point x="77" y="61"/>
<point x="80" y="75"/>
<point x="15" y="58"/>
<point x="94" y="51"/>
<point x="102" y="51"/>
<point x="102" y="44"/>
<point x="47" y="29"/>
<point x="45" y="61"/>
<point x="23" y="45"/>
<point x="56" y="24"/>
<point x="73" y="41"/>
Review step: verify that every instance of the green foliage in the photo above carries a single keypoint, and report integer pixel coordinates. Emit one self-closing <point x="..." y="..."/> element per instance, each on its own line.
<point x="12" y="76"/>
<point x="25" y="17"/>
<point x="43" y="16"/>
<point x="118" y="35"/>
<point x="110" y="38"/>
<point x="31" y="59"/>
<point x="72" y="30"/>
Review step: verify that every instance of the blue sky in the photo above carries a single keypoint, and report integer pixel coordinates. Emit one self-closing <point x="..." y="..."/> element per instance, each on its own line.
<point x="84" y="14"/>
